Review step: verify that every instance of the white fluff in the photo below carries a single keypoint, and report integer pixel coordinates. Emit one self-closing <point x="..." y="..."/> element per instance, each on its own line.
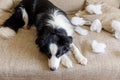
<point x="6" y="32"/>
<point x="77" y="21"/>
<point x="96" y="26"/>
<point x="81" y="31"/>
<point x="94" y="9"/>
<point x="116" y="28"/>
<point x="98" y="47"/>
<point x="116" y="25"/>
<point x="117" y="34"/>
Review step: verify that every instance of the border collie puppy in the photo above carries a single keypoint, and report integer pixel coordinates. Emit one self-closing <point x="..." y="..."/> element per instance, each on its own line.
<point x="54" y="30"/>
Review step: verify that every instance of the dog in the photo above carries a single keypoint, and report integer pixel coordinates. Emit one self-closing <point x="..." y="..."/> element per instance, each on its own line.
<point x="54" y="31"/>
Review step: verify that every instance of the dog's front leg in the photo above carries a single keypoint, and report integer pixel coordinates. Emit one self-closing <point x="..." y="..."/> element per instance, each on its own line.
<point x="65" y="61"/>
<point x="78" y="55"/>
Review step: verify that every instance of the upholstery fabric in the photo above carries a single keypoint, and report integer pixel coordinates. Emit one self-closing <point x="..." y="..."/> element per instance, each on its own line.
<point x="69" y="5"/>
<point x="20" y="58"/>
<point x="66" y="5"/>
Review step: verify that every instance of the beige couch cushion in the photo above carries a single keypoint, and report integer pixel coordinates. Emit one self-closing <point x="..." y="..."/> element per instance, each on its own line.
<point x="20" y="59"/>
<point x="66" y="5"/>
<point x="69" y="5"/>
<point x="6" y="4"/>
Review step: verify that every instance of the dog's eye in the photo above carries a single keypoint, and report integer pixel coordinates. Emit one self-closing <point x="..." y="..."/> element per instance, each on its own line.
<point x="58" y="55"/>
<point x="66" y="49"/>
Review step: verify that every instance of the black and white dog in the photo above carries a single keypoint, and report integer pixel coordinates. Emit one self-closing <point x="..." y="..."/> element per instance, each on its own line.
<point x="54" y="30"/>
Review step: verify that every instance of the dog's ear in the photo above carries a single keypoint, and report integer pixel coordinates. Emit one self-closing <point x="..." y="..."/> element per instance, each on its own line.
<point x="66" y="39"/>
<point x="43" y="40"/>
<point x="66" y="48"/>
<point x="70" y="39"/>
<point x="65" y="44"/>
<point x="40" y="42"/>
<point x="61" y="33"/>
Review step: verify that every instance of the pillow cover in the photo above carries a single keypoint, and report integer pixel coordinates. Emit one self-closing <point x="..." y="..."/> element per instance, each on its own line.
<point x="6" y="4"/>
<point x="69" y="5"/>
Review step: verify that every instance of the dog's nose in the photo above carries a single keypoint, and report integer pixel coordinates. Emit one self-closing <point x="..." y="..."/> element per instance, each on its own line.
<point x="53" y="69"/>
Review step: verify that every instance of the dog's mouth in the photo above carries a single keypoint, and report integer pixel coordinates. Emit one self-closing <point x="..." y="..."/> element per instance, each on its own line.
<point x="54" y="63"/>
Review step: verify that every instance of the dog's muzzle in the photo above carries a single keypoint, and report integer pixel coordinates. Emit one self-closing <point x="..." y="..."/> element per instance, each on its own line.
<point x="53" y="63"/>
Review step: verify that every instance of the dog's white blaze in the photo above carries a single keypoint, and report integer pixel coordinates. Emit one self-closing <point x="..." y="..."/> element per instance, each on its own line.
<point x="6" y="32"/>
<point x="25" y="17"/>
<point x="60" y="21"/>
<point x="53" y="49"/>
<point x="54" y="62"/>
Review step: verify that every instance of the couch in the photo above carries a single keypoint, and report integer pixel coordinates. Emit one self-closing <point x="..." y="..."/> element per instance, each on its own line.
<point x="20" y="58"/>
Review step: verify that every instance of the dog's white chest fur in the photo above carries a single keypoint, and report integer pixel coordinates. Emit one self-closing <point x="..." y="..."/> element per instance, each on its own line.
<point x="60" y="21"/>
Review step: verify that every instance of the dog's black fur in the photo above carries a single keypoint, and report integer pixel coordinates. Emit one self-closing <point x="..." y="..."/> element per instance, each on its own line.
<point x="38" y="14"/>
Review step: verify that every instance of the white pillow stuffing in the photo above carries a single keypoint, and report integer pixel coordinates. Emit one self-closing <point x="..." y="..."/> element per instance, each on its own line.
<point x="115" y="25"/>
<point x="98" y="47"/>
<point x="81" y="31"/>
<point x="96" y="26"/>
<point x="117" y="34"/>
<point x="116" y="28"/>
<point x="94" y="9"/>
<point x="77" y="21"/>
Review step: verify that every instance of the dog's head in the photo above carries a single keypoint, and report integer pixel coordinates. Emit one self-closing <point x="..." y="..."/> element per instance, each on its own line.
<point x="54" y="43"/>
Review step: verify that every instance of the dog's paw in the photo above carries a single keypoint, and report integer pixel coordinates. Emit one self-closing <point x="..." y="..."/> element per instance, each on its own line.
<point x="67" y="64"/>
<point x="6" y="32"/>
<point x="83" y="61"/>
<point x="65" y="61"/>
